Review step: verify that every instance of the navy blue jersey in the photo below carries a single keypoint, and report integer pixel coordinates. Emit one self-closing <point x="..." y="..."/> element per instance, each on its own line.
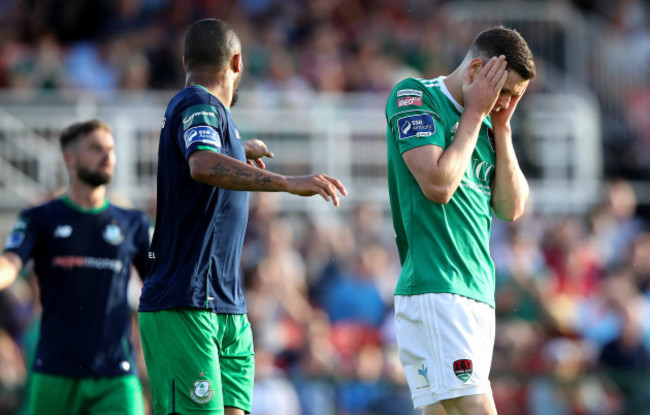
<point x="199" y="232"/>
<point x="82" y="260"/>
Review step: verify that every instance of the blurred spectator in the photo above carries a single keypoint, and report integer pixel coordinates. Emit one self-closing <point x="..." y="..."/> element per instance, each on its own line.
<point x="89" y="66"/>
<point x="628" y="354"/>
<point x="628" y="351"/>
<point x="615" y="223"/>
<point x="569" y="389"/>
<point x="272" y="393"/>
<point x="352" y="295"/>
<point x="12" y="373"/>
<point x="639" y="261"/>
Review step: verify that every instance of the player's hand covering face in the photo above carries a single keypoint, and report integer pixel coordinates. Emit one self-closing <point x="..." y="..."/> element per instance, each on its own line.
<point x="482" y="84"/>
<point x="513" y="89"/>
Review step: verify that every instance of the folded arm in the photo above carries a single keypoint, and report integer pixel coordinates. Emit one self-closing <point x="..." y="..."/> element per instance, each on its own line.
<point x="439" y="172"/>
<point x="510" y="189"/>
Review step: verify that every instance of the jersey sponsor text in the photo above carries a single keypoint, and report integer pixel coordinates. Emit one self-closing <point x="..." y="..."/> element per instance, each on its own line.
<point x="202" y="134"/>
<point x="403" y="102"/>
<point x="406" y="92"/>
<point x="71" y="261"/>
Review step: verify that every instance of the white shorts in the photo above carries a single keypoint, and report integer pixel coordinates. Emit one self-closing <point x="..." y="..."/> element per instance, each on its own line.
<point x="445" y="345"/>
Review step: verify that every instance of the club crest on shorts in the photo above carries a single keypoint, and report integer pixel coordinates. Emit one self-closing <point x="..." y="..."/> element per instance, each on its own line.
<point x="463" y="369"/>
<point x="201" y="392"/>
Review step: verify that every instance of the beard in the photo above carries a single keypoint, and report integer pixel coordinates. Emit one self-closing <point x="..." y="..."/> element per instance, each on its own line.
<point x="93" y="178"/>
<point x="235" y="94"/>
<point x="235" y="98"/>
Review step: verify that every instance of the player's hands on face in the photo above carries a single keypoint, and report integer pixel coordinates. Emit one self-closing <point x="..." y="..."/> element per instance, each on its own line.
<point x="501" y="116"/>
<point x="480" y="91"/>
<point x="317" y="184"/>
<point x="255" y="150"/>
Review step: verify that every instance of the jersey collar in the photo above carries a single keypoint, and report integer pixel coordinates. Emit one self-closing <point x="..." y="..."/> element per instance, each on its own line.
<point x="78" y="208"/>
<point x="443" y="88"/>
<point x="206" y="90"/>
<point x="203" y="88"/>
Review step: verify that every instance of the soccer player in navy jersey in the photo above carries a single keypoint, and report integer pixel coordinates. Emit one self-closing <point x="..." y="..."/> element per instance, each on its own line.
<point x="82" y="247"/>
<point x="196" y="337"/>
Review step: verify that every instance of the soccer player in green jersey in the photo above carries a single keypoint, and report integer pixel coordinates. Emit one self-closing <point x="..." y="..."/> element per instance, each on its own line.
<point x="451" y="163"/>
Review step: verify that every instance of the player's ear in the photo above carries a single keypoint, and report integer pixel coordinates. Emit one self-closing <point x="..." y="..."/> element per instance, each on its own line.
<point x="184" y="63"/>
<point x="237" y="64"/>
<point x="68" y="158"/>
<point x="475" y="66"/>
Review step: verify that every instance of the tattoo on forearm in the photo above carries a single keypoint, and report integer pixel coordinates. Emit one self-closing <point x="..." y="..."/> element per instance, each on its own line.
<point x="241" y="177"/>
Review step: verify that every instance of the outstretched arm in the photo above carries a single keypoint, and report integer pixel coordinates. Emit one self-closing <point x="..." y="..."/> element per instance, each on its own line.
<point x="219" y="170"/>
<point x="10" y="265"/>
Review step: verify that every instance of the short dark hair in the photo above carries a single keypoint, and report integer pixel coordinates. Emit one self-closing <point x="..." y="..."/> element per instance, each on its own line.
<point x="210" y="43"/>
<point x="500" y="40"/>
<point x="71" y="134"/>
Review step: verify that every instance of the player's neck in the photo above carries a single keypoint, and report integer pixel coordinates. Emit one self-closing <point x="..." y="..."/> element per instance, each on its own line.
<point x="87" y="197"/>
<point x="216" y="84"/>
<point x="454" y="84"/>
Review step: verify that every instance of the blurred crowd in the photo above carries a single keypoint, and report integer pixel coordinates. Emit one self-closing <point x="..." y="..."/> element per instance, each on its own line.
<point x="573" y="292"/>
<point x="573" y="309"/>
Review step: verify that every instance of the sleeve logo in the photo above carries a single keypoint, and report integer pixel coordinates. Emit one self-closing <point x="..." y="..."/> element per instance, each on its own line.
<point x="17" y="234"/>
<point x="203" y="135"/>
<point x="407" y="92"/>
<point x="200" y="115"/>
<point x="403" y="102"/>
<point x="421" y="125"/>
<point x="203" y="114"/>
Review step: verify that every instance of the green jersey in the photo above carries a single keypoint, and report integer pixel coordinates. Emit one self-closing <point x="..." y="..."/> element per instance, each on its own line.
<point x="443" y="248"/>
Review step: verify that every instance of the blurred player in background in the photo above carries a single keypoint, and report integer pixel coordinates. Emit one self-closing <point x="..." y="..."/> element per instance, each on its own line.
<point x="451" y="163"/>
<point x="83" y="248"/>
<point x="196" y="337"/>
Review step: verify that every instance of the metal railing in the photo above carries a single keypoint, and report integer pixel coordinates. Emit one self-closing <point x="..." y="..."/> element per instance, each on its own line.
<point x="343" y="136"/>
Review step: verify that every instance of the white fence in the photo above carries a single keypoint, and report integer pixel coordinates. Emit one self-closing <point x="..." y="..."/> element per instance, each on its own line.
<point x="342" y="135"/>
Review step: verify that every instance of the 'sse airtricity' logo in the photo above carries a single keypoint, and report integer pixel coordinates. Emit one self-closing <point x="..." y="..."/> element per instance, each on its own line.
<point x="420" y="125"/>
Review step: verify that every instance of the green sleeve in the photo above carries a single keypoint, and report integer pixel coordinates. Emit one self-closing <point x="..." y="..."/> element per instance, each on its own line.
<point x="411" y="112"/>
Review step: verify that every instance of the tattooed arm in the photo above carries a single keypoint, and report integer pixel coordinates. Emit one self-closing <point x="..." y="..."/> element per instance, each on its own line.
<point x="219" y="170"/>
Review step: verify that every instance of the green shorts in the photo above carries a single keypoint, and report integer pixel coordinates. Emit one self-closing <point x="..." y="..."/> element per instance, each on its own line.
<point x="198" y="361"/>
<point x="53" y="395"/>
